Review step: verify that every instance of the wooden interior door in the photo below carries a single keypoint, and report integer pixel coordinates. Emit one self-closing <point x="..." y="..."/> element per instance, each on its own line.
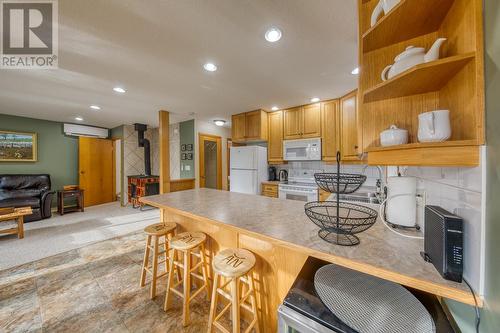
<point x="311" y="121"/>
<point x="349" y="127"/>
<point x="96" y="168"/>
<point x="206" y="140"/>
<point x="292" y="123"/>
<point x="275" y="143"/>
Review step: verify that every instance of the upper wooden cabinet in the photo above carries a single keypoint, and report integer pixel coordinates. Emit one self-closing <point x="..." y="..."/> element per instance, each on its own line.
<point x="302" y="122"/>
<point x="249" y="126"/>
<point x="238" y="127"/>
<point x="330" y="130"/>
<point x="349" y="146"/>
<point x="275" y="142"/>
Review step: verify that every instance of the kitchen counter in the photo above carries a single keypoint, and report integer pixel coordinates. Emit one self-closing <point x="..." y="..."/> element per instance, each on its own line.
<point x="284" y="223"/>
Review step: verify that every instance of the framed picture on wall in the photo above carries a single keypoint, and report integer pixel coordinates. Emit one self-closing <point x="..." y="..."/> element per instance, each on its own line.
<point x="189" y="147"/>
<point x="189" y="156"/>
<point x="183" y="156"/>
<point x="183" y="147"/>
<point x="18" y="147"/>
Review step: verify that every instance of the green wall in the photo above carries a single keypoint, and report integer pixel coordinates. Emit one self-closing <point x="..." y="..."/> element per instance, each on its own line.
<point x="490" y="314"/>
<point x="57" y="153"/>
<point x="186" y="129"/>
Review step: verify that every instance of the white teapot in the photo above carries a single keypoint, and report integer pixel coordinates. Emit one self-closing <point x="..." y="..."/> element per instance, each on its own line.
<point x="410" y="57"/>
<point x="383" y="6"/>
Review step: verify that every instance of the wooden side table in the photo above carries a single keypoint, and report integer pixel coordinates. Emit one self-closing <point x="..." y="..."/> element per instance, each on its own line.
<point x="9" y="214"/>
<point x="73" y="193"/>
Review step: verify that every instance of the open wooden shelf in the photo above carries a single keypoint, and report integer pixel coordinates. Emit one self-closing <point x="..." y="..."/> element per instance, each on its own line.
<point x="405" y="21"/>
<point x="423" y="78"/>
<point x="447" y="153"/>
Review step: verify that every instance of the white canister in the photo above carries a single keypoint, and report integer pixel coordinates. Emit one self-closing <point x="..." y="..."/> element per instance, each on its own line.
<point x="434" y="126"/>
<point x="401" y="206"/>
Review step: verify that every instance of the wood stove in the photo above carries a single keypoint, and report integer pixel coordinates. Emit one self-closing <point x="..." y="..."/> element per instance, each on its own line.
<point x="142" y="186"/>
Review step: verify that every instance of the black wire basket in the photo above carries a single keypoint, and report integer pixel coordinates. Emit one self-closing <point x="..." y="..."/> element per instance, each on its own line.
<point x="340" y="221"/>
<point x="339" y="226"/>
<point x="339" y="182"/>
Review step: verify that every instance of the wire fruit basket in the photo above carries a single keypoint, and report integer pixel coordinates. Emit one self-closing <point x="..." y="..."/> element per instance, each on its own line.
<point x="340" y="221"/>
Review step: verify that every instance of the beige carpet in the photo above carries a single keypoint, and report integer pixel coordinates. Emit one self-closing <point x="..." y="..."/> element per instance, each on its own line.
<point x="71" y="231"/>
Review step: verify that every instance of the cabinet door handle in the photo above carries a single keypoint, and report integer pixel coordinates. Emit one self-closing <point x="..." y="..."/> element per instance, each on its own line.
<point x="355" y="147"/>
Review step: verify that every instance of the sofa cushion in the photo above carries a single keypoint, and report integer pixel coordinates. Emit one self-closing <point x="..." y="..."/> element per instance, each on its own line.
<point x="33" y="202"/>
<point x="17" y="186"/>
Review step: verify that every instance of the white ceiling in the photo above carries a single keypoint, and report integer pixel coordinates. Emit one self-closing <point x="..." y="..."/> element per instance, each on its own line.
<point x="156" y="50"/>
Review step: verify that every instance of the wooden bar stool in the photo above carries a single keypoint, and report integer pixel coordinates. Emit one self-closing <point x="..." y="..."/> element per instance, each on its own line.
<point x="235" y="266"/>
<point x="155" y="232"/>
<point x="187" y="244"/>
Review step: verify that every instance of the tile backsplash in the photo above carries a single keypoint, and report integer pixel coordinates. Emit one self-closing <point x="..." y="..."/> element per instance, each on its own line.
<point x="458" y="190"/>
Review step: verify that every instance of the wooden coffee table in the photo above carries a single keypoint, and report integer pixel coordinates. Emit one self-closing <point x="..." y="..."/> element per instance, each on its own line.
<point x="17" y="214"/>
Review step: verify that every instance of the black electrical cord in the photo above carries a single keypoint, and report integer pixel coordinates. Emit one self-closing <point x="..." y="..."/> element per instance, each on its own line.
<point x="478" y="317"/>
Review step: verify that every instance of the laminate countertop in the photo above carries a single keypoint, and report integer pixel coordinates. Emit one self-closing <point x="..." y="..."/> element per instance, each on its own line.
<point x="381" y="252"/>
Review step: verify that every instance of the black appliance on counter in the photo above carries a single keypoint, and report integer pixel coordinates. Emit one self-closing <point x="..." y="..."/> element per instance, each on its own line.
<point x="283" y="175"/>
<point x="303" y="311"/>
<point x="443" y="242"/>
<point x="272" y="174"/>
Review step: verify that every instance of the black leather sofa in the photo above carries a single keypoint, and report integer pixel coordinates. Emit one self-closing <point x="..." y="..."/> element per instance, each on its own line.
<point x="27" y="190"/>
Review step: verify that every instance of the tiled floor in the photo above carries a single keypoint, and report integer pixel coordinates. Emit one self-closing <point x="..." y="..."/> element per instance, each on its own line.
<point x="91" y="289"/>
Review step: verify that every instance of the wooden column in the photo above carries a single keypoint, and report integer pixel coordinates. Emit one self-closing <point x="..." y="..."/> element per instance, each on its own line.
<point x="164" y="152"/>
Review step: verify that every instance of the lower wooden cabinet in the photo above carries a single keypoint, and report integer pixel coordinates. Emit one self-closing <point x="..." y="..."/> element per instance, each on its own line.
<point x="270" y="190"/>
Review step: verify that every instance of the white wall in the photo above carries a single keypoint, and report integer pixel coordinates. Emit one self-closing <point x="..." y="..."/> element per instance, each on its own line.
<point x="175" y="151"/>
<point x="204" y="127"/>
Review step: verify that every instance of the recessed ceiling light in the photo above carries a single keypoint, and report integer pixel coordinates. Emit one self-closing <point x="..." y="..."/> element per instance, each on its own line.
<point x="95" y="107"/>
<point x="273" y="35"/>
<point x="275" y="108"/>
<point x="219" y="122"/>
<point x="78" y="118"/>
<point x="210" y="67"/>
<point x="314" y="99"/>
<point x="355" y="71"/>
<point x="119" y="90"/>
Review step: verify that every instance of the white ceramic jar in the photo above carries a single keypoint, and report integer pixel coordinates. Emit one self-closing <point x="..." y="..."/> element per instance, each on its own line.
<point x="393" y="136"/>
<point x="434" y="126"/>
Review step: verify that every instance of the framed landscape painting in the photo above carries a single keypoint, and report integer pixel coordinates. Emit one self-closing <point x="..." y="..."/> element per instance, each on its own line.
<point x="17" y="147"/>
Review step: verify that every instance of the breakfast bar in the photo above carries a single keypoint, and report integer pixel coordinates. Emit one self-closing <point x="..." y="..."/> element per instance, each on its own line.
<point x="282" y="237"/>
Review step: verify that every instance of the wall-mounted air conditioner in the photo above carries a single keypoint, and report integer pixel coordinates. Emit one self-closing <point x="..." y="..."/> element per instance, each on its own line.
<point x="80" y="130"/>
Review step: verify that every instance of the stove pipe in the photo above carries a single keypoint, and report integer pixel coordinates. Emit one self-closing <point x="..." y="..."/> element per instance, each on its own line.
<point x="141" y="128"/>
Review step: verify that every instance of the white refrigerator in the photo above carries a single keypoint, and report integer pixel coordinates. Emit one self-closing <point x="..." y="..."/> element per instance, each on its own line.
<point x="248" y="169"/>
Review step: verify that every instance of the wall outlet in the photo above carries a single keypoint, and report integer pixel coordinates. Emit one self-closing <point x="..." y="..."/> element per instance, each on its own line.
<point x="421" y="202"/>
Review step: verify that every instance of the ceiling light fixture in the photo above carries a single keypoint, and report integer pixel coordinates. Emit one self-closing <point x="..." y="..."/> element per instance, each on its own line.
<point x="78" y="118"/>
<point x="275" y="108"/>
<point x="210" y="67"/>
<point x="95" y="107"/>
<point x="273" y="35"/>
<point x="219" y="122"/>
<point x="314" y="99"/>
<point x="119" y="90"/>
<point x="355" y="71"/>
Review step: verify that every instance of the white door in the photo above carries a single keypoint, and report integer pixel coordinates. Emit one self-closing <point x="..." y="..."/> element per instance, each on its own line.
<point x="244" y="181"/>
<point x="243" y="158"/>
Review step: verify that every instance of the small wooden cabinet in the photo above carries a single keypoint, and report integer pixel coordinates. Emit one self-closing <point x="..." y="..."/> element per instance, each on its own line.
<point x="302" y="122"/>
<point x="349" y="146"/>
<point x="330" y="130"/>
<point x="275" y="137"/>
<point x="270" y="189"/>
<point x="249" y="126"/>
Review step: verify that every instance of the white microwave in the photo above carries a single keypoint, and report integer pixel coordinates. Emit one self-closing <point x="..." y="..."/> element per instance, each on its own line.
<point x="302" y="150"/>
